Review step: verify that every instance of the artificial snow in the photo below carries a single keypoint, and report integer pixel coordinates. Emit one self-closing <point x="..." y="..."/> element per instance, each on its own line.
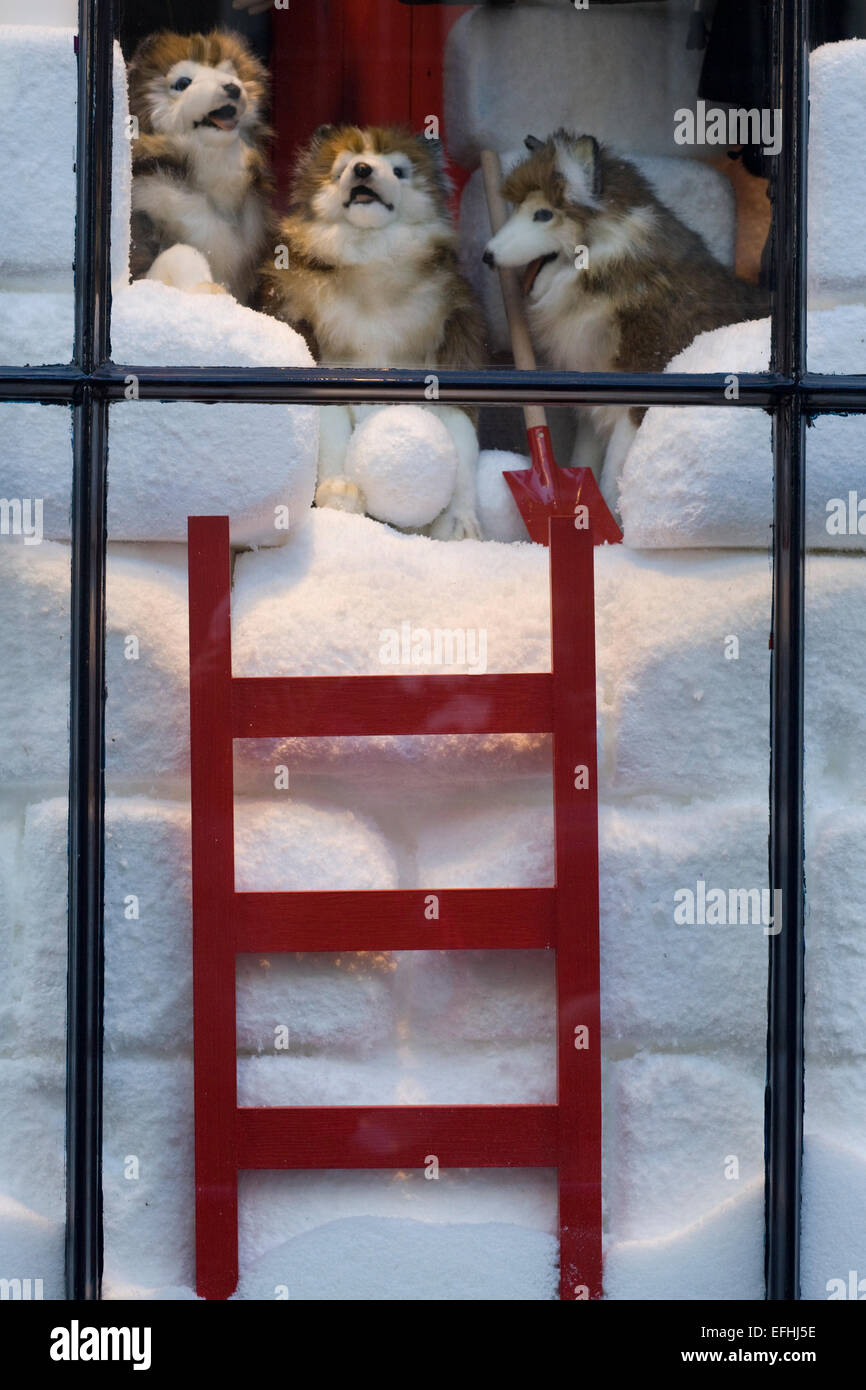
<point x="704" y="478"/>
<point x="404" y="460"/>
<point x="171" y="460"/>
<point x="148" y="928"/>
<point x="378" y="1258"/>
<point x="720" y="1256"/>
<point x="835" y="936"/>
<point x="497" y="510"/>
<point x="39" y="78"/>
<point x="684" y="1134"/>
<point x="31" y="1250"/>
<point x="833" y="1241"/>
<point x="379" y="598"/>
<point x="837" y="182"/>
<point x="38" y="129"/>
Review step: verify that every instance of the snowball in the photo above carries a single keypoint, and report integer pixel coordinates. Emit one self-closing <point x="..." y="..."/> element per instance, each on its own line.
<point x="404" y="460"/>
<point x="497" y="510"/>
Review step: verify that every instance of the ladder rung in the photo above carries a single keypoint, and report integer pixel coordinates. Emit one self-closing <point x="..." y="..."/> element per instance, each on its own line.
<point x="394" y="920"/>
<point x="397" y="1136"/>
<point x="364" y="706"/>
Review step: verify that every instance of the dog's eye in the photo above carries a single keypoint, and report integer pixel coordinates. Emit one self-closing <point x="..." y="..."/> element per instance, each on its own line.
<point x="543" y="215"/>
<point x="400" y="172"/>
<point x="181" y="84"/>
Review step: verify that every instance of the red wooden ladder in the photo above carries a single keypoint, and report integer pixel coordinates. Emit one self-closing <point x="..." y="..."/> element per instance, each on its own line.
<point x="223" y="707"/>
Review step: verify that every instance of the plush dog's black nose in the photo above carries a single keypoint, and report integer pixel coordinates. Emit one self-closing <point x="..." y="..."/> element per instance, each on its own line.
<point x="363" y="171"/>
<point x="232" y="90"/>
<point x="489" y="259"/>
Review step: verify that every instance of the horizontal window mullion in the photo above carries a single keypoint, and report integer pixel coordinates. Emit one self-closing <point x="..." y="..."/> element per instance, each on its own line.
<point x="493" y="386"/>
<point x="818" y="393"/>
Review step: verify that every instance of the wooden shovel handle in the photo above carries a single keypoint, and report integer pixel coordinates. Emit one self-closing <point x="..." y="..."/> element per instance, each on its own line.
<point x="515" y="309"/>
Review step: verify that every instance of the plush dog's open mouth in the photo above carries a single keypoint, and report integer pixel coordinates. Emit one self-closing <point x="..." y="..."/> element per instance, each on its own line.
<point x="223" y="118"/>
<point x="361" y="193"/>
<point x="532" y="271"/>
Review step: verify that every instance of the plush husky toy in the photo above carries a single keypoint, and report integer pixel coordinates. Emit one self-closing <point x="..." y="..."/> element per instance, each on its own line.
<point x="614" y="281"/>
<point x="366" y="269"/>
<point x="200" y="181"/>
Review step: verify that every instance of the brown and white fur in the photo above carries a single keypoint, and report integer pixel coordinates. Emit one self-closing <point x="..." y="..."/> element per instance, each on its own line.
<point x="371" y="280"/>
<point x="614" y="281"/>
<point x="200" y="180"/>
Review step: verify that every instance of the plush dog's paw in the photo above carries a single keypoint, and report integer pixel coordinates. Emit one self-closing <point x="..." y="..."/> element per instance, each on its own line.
<point x="456" y="526"/>
<point x="208" y="287"/>
<point x="341" y="494"/>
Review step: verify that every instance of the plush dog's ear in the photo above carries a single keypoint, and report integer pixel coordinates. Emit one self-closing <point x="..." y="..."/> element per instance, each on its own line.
<point x="578" y="160"/>
<point x="532" y="143"/>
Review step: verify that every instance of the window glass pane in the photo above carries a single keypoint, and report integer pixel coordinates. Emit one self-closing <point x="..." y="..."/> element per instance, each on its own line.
<point x="37" y="180"/>
<point x="35" y="475"/>
<point x="634" y="233"/>
<point x="835" y="1140"/>
<point x="837" y="266"/>
<point x="682" y="619"/>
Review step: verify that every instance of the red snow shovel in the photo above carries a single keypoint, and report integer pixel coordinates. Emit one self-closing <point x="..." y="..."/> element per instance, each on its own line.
<point x="545" y="489"/>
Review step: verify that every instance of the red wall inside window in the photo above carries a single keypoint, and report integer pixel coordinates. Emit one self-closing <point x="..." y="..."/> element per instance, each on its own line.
<point x="374" y="62"/>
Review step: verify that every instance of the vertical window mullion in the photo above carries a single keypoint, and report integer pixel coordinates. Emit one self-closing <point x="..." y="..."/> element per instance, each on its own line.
<point x="87" y="660"/>
<point x="784" y="1094"/>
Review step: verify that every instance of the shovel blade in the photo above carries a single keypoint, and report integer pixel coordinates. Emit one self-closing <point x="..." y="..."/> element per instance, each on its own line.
<point x="565" y="492"/>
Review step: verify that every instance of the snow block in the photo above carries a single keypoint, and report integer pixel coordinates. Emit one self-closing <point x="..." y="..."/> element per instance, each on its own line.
<point x="833" y="1241"/>
<point x="147" y="602"/>
<point x="148" y="928"/>
<point x="720" y="1256"/>
<point x="33" y="1137"/>
<point x="835" y="1099"/>
<point x="684" y="670"/>
<point x="352" y="597"/>
<point x="593" y="64"/>
<point x="148" y="1176"/>
<point x="678" y="715"/>
<point x="31" y="1251"/>
<point x="683" y="1135"/>
<point x="707" y="481"/>
<point x="836" y="937"/>
<point x="497" y="510"/>
<point x="699" y="195"/>
<point x="407" y="1068"/>
<point x="388" y="1258"/>
<point x="837" y="180"/>
<point x="666" y="983"/>
<point x="39" y="76"/>
<point x="279" y="1207"/>
<point x="8" y="894"/>
<point x="172" y="460"/>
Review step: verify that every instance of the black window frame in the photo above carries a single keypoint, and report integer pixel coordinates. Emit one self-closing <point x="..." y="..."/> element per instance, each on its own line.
<point x="789" y="392"/>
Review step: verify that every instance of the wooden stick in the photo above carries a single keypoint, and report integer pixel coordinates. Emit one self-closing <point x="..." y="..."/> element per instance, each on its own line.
<point x="515" y="309"/>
